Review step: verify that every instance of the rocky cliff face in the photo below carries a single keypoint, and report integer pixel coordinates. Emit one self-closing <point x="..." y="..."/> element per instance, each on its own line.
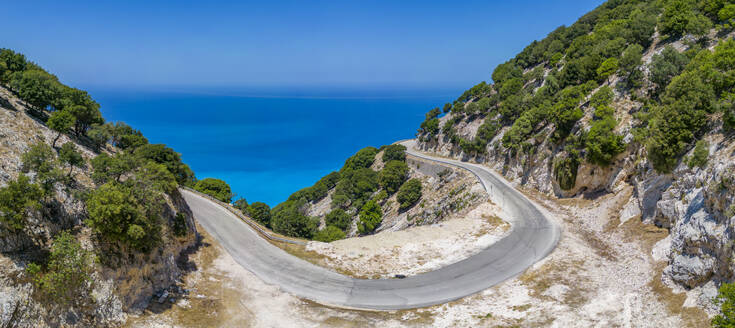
<point x="120" y="284"/>
<point x="695" y="204"/>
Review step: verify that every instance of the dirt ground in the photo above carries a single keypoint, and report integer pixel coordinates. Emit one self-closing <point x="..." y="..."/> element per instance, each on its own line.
<point x="604" y="272"/>
<point x="416" y="249"/>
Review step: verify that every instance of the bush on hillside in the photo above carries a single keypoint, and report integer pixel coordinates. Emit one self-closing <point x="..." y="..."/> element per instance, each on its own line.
<point x="392" y="176"/>
<point x="69" y="155"/>
<point x="362" y="159"/>
<point x="356" y="187"/>
<point x="565" y="170"/>
<point x="447" y="108"/>
<point x="329" y="234"/>
<point x="106" y="168"/>
<point x="602" y="143"/>
<point x="409" y="193"/>
<point x="260" y="212"/>
<point x="338" y="218"/>
<point x="287" y="219"/>
<point x="11" y="62"/>
<point x="68" y="274"/>
<point x="666" y="65"/>
<point x="40" y="158"/>
<point x="241" y="204"/>
<point x="319" y="190"/>
<point x="19" y="199"/>
<point x="120" y="213"/>
<point x="62" y="122"/>
<point x="725" y="300"/>
<point x="394" y="153"/>
<point x="166" y="156"/>
<point x="216" y="188"/>
<point x="36" y="87"/>
<point x="700" y="155"/>
<point x="371" y="215"/>
<point x="607" y="69"/>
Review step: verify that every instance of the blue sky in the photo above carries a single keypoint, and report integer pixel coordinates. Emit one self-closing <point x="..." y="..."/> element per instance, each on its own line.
<point x="91" y="44"/>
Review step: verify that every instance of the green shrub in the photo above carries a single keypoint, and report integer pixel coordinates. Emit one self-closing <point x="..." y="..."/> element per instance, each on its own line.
<point x="430" y="127"/>
<point x="260" y="212"/>
<point x="107" y="168"/>
<point x="700" y="155"/>
<point x="394" y="153"/>
<point x="329" y="234"/>
<point x="125" y="137"/>
<point x="725" y="300"/>
<point x="68" y="274"/>
<point x="287" y="219"/>
<point x="666" y="65"/>
<point x="362" y="159"/>
<point x="319" y="190"/>
<point x="675" y="124"/>
<point x="409" y="193"/>
<point x="17" y="200"/>
<point x="36" y="87"/>
<point x="565" y="170"/>
<point x="41" y="159"/>
<point x="447" y="108"/>
<point x="602" y="97"/>
<point x="676" y="16"/>
<point x="433" y="113"/>
<point x="99" y="134"/>
<point x="162" y="154"/>
<point x="566" y="112"/>
<point x="69" y="155"/>
<point x="79" y="103"/>
<point x="338" y="218"/>
<point x="602" y="143"/>
<point x="62" y="122"/>
<point x="340" y="201"/>
<point x="11" y="62"/>
<point x="241" y="204"/>
<point x="392" y="176"/>
<point x="371" y="215"/>
<point x="216" y="188"/>
<point x="607" y="68"/>
<point x="486" y="132"/>
<point x="154" y="177"/>
<point x="123" y="214"/>
<point x="381" y="196"/>
<point x="357" y="186"/>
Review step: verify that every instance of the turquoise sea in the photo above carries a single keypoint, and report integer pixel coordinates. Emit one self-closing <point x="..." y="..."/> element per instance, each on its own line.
<point x="269" y="143"/>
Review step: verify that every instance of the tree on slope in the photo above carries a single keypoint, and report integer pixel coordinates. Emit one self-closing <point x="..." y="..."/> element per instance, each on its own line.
<point x="69" y="155"/>
<point x="62" y="122"/>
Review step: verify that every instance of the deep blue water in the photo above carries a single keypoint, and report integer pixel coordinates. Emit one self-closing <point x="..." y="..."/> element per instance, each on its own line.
<point x="267" y="147"/>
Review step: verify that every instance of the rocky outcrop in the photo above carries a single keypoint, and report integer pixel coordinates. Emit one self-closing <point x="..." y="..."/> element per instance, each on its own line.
<point x="697" y="205"/>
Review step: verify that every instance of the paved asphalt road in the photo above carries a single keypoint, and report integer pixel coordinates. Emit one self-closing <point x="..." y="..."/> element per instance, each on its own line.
<point x="532" y="237"/>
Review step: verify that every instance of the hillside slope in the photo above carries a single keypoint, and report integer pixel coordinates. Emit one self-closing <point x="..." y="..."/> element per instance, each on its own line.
<point x="635" y="94"/>
<point x="89" y="279"/>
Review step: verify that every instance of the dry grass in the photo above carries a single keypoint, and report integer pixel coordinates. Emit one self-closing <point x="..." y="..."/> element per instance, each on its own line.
<point x="316" y="258"/>
<point x="494" y="222"/>
<point x="210" y="303"/>
<point x="538" y="281"/>
<point x="691" y="316"/>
